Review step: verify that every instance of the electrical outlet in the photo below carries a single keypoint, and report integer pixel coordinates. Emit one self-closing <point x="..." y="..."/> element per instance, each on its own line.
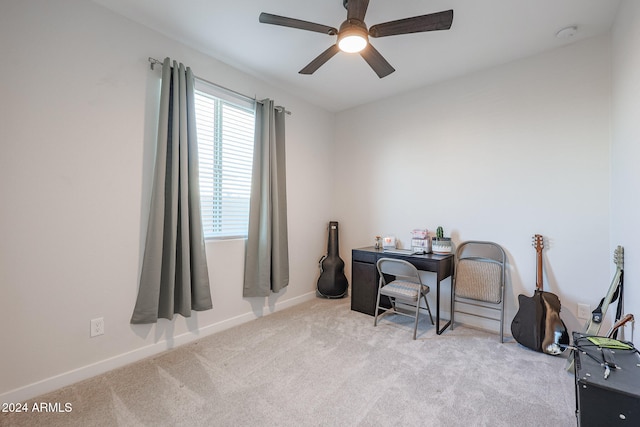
<point x="584" y="311"/>
<point x="97" y="327"/>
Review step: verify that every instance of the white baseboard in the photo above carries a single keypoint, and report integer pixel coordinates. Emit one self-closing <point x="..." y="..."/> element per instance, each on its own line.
<point x="85" y="372"/>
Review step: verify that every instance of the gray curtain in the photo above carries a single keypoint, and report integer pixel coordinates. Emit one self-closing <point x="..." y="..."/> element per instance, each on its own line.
<point x="174" y="277"/>
<point x="266" y="266"/>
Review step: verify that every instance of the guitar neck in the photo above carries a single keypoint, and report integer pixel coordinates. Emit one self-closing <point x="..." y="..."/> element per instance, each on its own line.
<point x="619" y="323"/>
<point x="539" y="284"/>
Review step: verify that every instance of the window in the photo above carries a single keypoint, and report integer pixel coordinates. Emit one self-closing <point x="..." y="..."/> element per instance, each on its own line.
<point x="225" y="124"/>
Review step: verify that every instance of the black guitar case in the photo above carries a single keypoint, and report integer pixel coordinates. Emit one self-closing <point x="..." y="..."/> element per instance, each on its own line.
<point x="332" y="282"/>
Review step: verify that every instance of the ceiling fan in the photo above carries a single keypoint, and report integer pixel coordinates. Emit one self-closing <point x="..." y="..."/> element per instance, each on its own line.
<point x="353" y="35"/>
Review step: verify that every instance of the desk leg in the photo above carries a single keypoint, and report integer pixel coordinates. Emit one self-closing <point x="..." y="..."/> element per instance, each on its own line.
<point x="446" y="325"/>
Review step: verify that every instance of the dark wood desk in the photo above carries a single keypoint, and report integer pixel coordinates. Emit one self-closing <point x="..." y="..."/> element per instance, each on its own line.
<point x="364" y="277"/>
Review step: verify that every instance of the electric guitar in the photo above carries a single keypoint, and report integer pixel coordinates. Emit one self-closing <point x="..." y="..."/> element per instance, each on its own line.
<point x="537" y="324"/>
<point x="592" y="326"/>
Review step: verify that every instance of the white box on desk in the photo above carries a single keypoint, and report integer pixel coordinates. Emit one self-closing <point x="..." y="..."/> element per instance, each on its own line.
<point x="421" y="245"/>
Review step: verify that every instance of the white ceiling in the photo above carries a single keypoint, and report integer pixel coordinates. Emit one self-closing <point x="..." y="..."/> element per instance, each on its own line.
<point x="484" y="34"/>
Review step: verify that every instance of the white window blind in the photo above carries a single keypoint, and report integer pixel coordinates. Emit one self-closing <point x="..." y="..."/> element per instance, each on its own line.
<point x="225" y="125"/>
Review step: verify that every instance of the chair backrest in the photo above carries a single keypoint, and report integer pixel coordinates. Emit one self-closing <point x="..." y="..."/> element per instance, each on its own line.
<point x="399" y="268"/>
<point x="480" y="271"/>
<point x="480" y="249"/>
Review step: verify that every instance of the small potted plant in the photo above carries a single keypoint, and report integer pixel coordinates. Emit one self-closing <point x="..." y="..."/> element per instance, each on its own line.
<point x="441" y="244"/>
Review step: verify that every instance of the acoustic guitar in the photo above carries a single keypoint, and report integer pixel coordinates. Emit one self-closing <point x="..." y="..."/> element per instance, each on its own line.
<point x="537" y="324"/>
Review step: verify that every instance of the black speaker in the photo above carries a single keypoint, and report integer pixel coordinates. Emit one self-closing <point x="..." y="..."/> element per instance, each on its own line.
<point x="606" y="399"/>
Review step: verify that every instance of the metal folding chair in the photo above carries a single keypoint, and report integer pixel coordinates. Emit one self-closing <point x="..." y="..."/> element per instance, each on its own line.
<point x="479" y="281"/>
<point x="405" y="292"/>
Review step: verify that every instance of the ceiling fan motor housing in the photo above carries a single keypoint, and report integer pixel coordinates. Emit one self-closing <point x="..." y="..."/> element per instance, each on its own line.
<point x="353" y="23"/>
<point x="353" y="27"/>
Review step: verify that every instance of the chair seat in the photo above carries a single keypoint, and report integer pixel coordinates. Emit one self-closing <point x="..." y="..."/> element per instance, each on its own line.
<point x="403" y="289"/>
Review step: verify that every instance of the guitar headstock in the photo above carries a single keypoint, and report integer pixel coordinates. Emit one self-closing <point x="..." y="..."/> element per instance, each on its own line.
<point x="618" y="257"/>
<point x="537" y="241"/>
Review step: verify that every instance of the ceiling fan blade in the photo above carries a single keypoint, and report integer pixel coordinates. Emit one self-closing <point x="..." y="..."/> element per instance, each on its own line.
<point x="417" y="24"/>
<point x="376" y="61"/>
<point x="267" y="18"/>
<point x="320" y="60"/>
<point x="356" y="9"/>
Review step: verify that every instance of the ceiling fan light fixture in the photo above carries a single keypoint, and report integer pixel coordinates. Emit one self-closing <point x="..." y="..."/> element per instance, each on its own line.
<point x="352" y="38"/>
<point x="352" y="44"/>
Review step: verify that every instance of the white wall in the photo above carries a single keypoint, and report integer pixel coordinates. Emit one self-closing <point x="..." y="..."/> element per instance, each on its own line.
<point x="625" y="149"/>
<point x="498" y="155"/>
<point x="77" y="110"/>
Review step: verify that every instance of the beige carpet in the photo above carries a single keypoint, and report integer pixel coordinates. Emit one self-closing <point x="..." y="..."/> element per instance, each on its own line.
<point x="321" y="364"/>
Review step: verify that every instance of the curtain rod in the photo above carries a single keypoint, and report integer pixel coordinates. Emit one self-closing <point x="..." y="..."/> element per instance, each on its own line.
<point x="153" y="62"/>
